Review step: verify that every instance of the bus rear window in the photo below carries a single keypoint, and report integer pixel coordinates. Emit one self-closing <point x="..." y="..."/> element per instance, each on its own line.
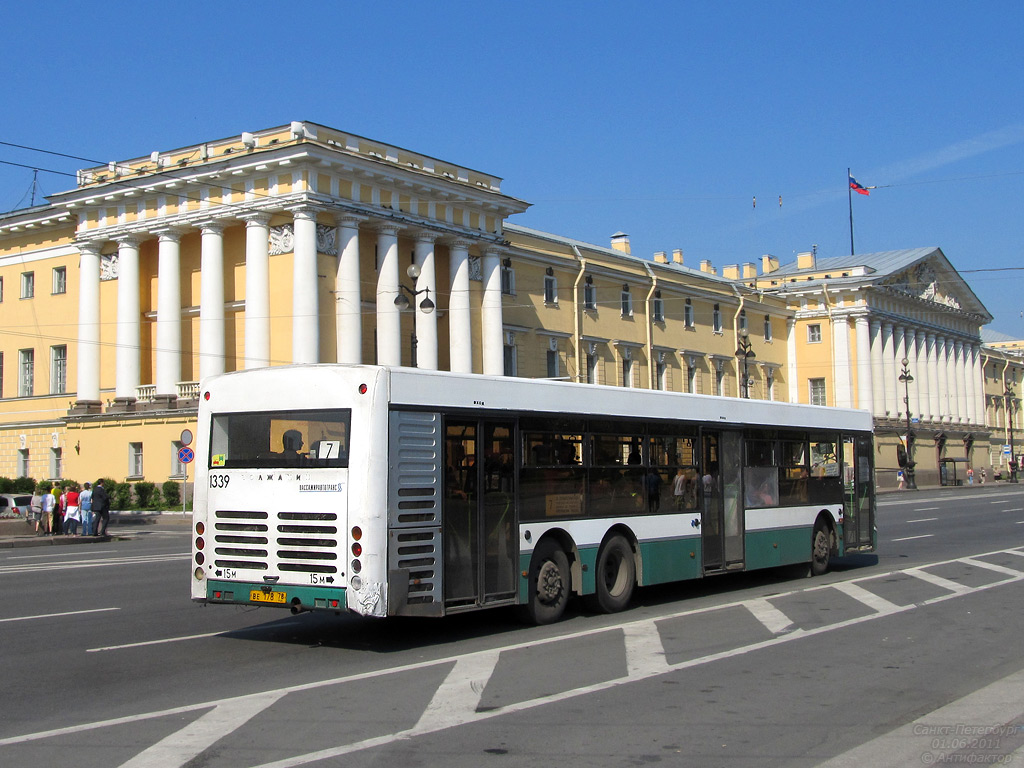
<point x="278" y="439"/>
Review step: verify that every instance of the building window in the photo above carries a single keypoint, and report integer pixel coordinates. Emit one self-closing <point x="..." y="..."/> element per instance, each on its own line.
<point x="817" y="391"/>
<point x="688" y="314"/>
<point x="178" y="467"/>
<point x="553" y="372"/>
<point x="60" y="280"/>
<point x="658" y="308"/>
<point x="627" y="302"/>
<point x="627" y="373"/>
<point x="56" y="463"/>
<point x="58" y="370"/>
<point x="550" y="289"/>
<point x="23" y="463"/>
<point x="767" y="328"/>
<point x="510" y="360"/>
<point x="716" y="319"/>
<point x="26" y="372"/>
<point x="589" y="296"/>
<point x="508" y="281"/>
<point x="28" y="285"/>
<point x="742" y="321"/>
<point x="135" y="460"/>
<point x="814" y="334"/>
<point x="591" y="369"/>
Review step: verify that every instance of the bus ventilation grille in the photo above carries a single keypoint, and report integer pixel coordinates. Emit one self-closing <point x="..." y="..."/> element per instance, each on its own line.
<point x="415" y="555"/>
<point x="297" y="542"/>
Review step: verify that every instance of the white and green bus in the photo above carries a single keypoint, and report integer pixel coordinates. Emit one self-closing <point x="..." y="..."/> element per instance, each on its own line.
<point x="402" y="492"/>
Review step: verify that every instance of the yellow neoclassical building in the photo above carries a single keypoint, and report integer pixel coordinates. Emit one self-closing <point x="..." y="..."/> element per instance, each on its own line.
<point x="306" y="244"/>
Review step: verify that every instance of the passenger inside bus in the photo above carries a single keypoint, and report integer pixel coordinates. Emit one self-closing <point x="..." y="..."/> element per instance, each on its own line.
<point x="292" y="441"/>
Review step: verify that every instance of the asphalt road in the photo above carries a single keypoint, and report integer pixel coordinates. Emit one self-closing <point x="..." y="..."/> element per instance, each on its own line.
<point x="890" y="659"/>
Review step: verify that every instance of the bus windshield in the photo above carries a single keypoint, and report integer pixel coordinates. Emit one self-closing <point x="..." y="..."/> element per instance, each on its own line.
<point x="277" y="439"/>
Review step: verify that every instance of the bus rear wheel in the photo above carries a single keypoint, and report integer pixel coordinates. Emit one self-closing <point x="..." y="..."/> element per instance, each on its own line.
<point x="549" y="583"/>
<point x="821" y="549"/>
<point x="616" y="576"/>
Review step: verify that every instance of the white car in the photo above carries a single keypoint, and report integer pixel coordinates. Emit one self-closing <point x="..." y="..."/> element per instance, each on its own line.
<point x="17" y="506"/>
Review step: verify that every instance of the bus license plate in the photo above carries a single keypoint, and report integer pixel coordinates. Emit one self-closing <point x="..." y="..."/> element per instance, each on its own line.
<point x="259" y="596"/>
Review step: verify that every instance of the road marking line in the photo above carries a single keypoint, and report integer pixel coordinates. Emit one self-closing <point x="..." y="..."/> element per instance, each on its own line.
<point x="911" y="538"/>
<point x="774" y="620"/>
<point x="61" y="554"/>
<point x="995" y="706"/>
<point x="991" y="567"/>
<point x="926" y="509"/>
<point x="55" y="615"/>
<point x="870" y="599"/>
<point x="644" y="650"/>
<point x="938" y="581"/>
<point x="183" y="746"/>
<point x="457" y="698"/>
<point x="142" y="560"/>
<point x="179" y="639"/>
<point x="923" y="520"/>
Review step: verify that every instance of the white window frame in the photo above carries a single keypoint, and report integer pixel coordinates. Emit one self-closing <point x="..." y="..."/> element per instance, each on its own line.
<point x="28" y="285"/>
<point x="60" y="280"/>
<point x="592" y="361"/>
<point x="767" y="327"/>
<point x="508" y="281"/>
<point x="716" y="319"/>
<point x="814" y="333"/>
<point x="56" y="463"/>
<point x="742" y="321"/>
<point x="23" y="462"/>
<point x="627" y="372"/>
<point x="589" y="296"/>
<point x="135" y="460"/>
<point x="553" y="367"/>
<point x="627" y="302"/>
<point x="510" y="358"/>
<point x="817" y="392"/>
<point x="58" y="369"/>
<point x="691" y="379"/>
<point x="550" y="289"/>
<point x="661" y="376"/>
<point x="688" y="314"/>
<point x="658" y="309"/>
<point x="26" y="372"/>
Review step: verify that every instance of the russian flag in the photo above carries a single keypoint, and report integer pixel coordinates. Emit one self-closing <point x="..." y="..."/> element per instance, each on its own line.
<point x="857" y="187"/>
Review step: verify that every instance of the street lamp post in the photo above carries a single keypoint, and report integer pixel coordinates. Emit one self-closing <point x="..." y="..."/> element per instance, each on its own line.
<point x="426" y="306"/>
<point x="1008" y="394"/>
<point x="744" y="352"/>
<point x="906" y="378"/>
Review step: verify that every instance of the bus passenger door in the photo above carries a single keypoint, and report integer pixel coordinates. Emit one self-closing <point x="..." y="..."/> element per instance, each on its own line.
<point x="858" y="492"/>
<point x="479" y="513"/>
<point x="721" y="481"/>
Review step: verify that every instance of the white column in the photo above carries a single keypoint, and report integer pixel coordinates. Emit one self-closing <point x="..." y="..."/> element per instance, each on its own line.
<point x="877" y="370"/>
<point x="491" y="322"/>
<point x="168" y="314"/>
<point x="934" y="401"/>
<point x="460" y="328"/>
<point x="971" y="385"/>
<point x="88" y="386"/>
<point x="952" y="383"/>
<point x="841" y="373"/>
<point x="426" y="287"/>
<point x="257" y="290"/>
<point x="211" y="300"/>
<point x="942" y="369"/>
<point x="979" y="383"/>
<point x="389" y="318"/>
<point x="305" y="294"/>
<point x="863" y="340"/>
<point x="348" y="293"/>
<point x="921" y="366"/>
<point x="889" y="371"/>
<point x="961" y="381"/>
<point x="129" y="321"/>
<point x="791" y="370"/>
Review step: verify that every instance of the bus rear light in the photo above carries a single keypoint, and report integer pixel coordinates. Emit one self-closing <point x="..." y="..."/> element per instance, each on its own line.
<point x="362" y="389"/>
<point x="206" y="395"/>
<point x="217" y="595"/>
<point x="334" y="603"/>
<point x="357" y="548"/>
<point x="357" y="533"/>
<point x="200" y="558"/>
<point x="356" y="582"/>
<point x="199" y="573"/>
<point x="200" y="544"/>
<point x="200" y="528"/>
<point x="356" y="566"/>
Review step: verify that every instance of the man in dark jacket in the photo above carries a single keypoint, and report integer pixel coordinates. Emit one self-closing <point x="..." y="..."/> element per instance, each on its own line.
<point x="100" y="507"/>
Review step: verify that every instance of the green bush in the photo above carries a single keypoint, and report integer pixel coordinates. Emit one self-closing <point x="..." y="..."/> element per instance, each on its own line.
<point x="6" y="485"/>
<point x="172" y="493"/>
<point x="120" y="495"/>
<point x="144" y="494"/>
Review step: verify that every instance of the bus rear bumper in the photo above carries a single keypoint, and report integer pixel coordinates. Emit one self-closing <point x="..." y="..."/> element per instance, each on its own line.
<point x="296" y="597"/>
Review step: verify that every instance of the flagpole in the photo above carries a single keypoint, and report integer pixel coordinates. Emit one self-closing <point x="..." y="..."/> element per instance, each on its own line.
<point x="849" y="199"/>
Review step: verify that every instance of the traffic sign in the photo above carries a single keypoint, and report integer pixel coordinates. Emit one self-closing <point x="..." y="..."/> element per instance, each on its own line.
<point x="186" y="455"/>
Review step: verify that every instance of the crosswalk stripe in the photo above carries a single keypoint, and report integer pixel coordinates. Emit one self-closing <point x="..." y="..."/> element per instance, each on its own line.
<point x="870" y="599"/>
<point x="459" y="695"/>
<point x="645" y="653"/>
<point x="773" y="619"/>
<point x="991" y="567"/>
<point x="938" y="581"/>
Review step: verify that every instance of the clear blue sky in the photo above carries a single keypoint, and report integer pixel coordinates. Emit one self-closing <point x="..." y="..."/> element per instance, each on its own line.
<point x="660" y="119"/>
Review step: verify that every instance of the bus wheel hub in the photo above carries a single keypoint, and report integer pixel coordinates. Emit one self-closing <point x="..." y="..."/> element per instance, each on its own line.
<point x="549" y="583"/>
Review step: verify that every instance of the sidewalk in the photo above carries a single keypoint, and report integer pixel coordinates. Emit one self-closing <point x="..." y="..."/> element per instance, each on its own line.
<point x="21" y="533"/>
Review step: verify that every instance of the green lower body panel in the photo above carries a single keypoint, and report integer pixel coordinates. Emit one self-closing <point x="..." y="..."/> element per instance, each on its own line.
<point x="308" y="597"/>
<point x="670" y="560"/>
<point x="778" y="546"/>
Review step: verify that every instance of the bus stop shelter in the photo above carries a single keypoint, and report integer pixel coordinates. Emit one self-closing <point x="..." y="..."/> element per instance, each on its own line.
<point x="952" y="471"/>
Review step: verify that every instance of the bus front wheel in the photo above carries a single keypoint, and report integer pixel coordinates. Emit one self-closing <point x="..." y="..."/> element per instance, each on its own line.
<point x="616" y="576"/>
<point x="549" y="583"/>
<point x="821" y="549"/>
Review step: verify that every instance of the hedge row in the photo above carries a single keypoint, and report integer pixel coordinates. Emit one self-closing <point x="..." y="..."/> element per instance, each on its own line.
<point x="141" y="495"/>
